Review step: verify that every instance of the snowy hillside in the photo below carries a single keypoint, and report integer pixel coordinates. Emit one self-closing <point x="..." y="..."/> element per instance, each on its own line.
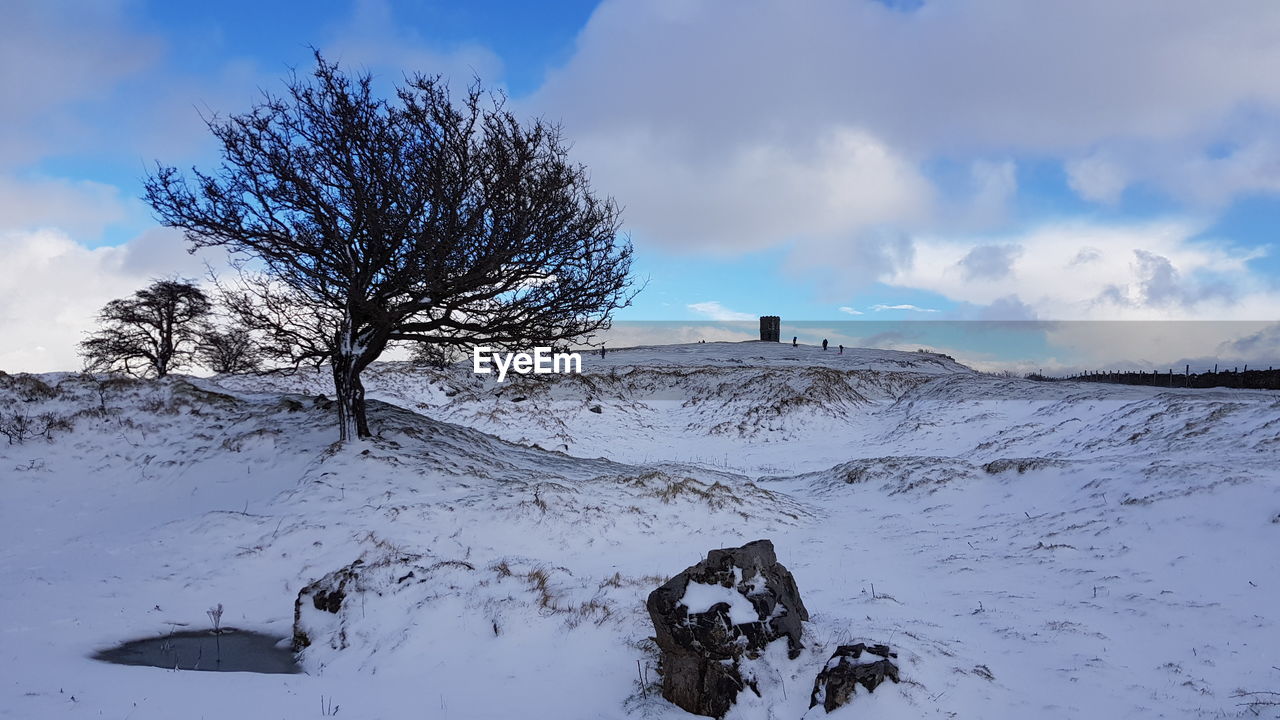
<point x="1047" y="550"/>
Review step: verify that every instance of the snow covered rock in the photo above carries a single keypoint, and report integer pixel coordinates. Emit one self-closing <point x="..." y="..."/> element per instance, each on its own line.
<point x="395" y="607"/>
<point x="321" y="609"/>
<point x="730" y="605"/>
<point x="849" y="667"/>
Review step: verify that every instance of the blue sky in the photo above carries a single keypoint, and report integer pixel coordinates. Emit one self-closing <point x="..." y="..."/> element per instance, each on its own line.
<point x="835" y="160"/>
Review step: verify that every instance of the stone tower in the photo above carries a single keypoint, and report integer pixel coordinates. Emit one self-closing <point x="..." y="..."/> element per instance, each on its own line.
<point x="770" y="328"/>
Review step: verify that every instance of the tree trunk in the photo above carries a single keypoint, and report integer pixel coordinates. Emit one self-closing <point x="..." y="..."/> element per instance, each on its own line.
<point x="352" y="422"/>
<point x="350" y="358"/>
<point x="357" y="407"/>
<point x="164" y="346"/>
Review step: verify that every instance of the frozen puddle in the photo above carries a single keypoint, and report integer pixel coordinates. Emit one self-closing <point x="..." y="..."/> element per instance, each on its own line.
<point x="229" y="651"/>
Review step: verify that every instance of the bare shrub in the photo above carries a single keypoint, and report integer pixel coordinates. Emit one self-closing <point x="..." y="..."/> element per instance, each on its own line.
<point x="19" y="426"/>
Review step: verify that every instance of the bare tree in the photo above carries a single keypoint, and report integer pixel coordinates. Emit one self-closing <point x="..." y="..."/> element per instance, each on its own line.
<point x="228" y="350"/>
<point x="362" y="221"/>
<point x="149" y="334"/>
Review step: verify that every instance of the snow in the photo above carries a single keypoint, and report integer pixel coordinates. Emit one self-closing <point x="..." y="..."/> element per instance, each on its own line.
<point x="864" y="658"/>
<point x="701" y="597"/>
<point x="1052" y="550"/>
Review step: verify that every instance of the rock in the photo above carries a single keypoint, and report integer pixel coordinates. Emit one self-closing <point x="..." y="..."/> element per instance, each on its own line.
<point x="1022" y="465"/>
<point x="318" y="611"/>
<point x="730" y="605"/>
<point x="849" y="667"/>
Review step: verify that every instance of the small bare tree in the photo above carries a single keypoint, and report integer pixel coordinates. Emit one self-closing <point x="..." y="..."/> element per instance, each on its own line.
<point x="150" y="333"/>
<point x="228" y="350"/>
<point x="435" y="355"/>
<point x="364" y="222"/>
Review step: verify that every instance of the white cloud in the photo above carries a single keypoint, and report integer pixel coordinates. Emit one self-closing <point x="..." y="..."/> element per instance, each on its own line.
<point x="911" y="308"/>
<point x="372" y="37"/>
<point x="1160" y="345"/>
<point x="52" y="56"/>
<point x="835" y="267"/>
<point x="850" y="311"/>
<point x="736" y="126"/>
<point x="755" y="194"/>
<point x="52" y="287"/>
<point x="1097" y="178"/>
<point x="1095" y="271"/>
<point x="1253" y="343"/>
<point x="994" y="185"/>
<point x="989" y="262"/>
<point x="1000" y="73"/>
<point x="1194" y="171"/>
<point x="1005" y="309"/>
<point x="82" y="208"/>
<point x="713" y="310"/>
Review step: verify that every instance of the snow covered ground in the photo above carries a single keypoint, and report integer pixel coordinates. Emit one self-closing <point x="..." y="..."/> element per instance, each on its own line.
<point x="1047" y="550"/>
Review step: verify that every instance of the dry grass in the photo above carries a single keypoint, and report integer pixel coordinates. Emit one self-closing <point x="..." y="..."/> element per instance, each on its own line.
<point x="554" y="599"/>
<point x="618" y="580"/>
<point x="671" y="489"/>
<point x="26" y="388"/>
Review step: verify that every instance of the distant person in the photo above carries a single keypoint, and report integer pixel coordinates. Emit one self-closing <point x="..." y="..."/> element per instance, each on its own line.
<point x="793" y="342"/>
<point x="841" y="349"/>
<point x="824" y="344"/>
<point x="601" y="351"/>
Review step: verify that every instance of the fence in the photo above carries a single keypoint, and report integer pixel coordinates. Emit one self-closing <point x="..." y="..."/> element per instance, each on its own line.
<point x="1236" y="377"/>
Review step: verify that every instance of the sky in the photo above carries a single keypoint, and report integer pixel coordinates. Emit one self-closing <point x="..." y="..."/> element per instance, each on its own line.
<point x="829" y="161"/>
